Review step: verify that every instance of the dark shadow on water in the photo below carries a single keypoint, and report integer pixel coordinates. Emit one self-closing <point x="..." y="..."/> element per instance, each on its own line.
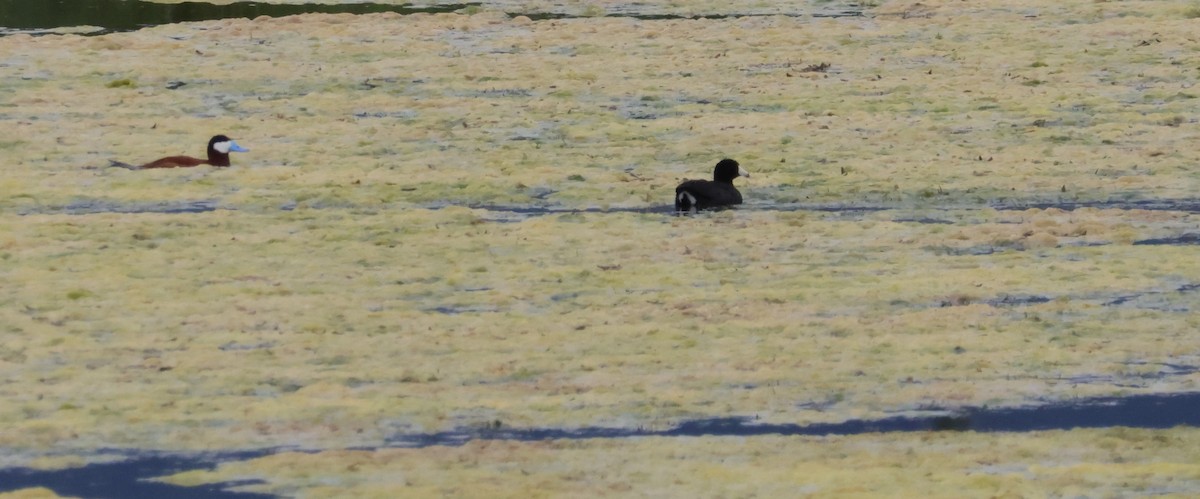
<point x="516" y="212"/>
<point x="127" y="479"/>
<point x="95" y="206"/>
<point x="666" y="209"/>
<point x="129" y="15"/>
<point x="1138" y="411"/>
<point x="1017" y="300"/>
<point x="1167" y="301"/>
<point x="924" y="221"/>
<point x="535" y="211"/>
<point x="550" y="16"/>
<point x="1184" y="240"/>
<point x="1183" y="205"/>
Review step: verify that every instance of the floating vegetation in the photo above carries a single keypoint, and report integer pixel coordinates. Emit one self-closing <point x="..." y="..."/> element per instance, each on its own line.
<point x="462" y="223"/>
<point x="131" y="474"/>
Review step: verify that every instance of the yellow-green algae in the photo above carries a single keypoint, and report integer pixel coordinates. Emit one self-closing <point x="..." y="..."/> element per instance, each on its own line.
<point x="377" y="303"/>
<point x="33" y="493"/>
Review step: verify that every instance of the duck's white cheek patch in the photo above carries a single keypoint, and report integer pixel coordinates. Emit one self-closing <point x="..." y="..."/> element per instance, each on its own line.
<point x="223" y="147"/>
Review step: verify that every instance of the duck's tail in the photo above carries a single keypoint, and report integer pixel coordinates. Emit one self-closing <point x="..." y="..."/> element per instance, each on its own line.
<point x="685" y="202"/>
<point x="118" y="164"/>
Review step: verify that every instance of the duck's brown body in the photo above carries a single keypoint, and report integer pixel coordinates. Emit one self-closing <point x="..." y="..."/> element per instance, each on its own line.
<point x="219" y="148"/>
<point x="184" y="162"/>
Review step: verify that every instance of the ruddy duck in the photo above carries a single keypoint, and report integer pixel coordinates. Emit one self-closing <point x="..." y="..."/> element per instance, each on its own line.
<point x="694" y="195"/>
<point x="219" y="148"/>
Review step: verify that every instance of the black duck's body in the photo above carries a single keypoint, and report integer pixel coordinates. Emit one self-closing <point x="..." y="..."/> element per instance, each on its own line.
<point x="694" y="195"/>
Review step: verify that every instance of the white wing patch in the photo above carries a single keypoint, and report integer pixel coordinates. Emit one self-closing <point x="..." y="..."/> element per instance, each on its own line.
<point x="691" y="200"/>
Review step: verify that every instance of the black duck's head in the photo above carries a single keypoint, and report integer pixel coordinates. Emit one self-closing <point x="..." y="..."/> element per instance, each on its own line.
<point x="727" y="170"/>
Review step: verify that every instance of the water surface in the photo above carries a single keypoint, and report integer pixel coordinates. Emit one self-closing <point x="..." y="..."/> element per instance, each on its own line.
<point x="129" y="478"/>
<point x="39" y="16"/>
<point x="129" y="15"/>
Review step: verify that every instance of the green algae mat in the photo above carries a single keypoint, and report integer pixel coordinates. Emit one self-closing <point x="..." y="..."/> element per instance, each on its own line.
<point x="462" y="221"/>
